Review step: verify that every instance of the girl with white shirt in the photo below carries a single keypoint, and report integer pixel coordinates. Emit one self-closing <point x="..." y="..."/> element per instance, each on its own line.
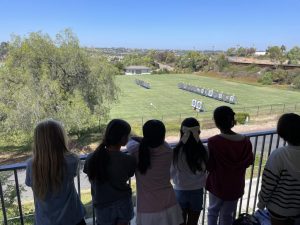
<point x="188" y="171"/>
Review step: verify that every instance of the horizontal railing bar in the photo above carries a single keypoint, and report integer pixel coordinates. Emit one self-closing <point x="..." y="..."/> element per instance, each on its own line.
<point x="13" y="166"/>
<point x="22" y="165"/>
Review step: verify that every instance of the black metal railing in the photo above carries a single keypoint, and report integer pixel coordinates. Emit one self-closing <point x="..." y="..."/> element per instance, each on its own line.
<point x="263" y="143"/>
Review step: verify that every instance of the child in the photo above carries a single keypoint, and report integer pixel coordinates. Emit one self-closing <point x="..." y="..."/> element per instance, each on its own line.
<point x="156" y="202"/>
<point x="280" y="189"/>
<point x="50" y="173"/>
<point x="229" y="156"/>
<point x="188" y="171"/>
<point x="109" y="170"/>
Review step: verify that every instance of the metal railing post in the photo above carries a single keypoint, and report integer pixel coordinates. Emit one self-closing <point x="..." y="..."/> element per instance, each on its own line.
<point x="3" y="204"/>
<point x="18" y="197"/>
<point x="259" y="172"/>
<point x="78" y="181"/>
<point x="204" y="206"/>
<point x="251" y="176"/>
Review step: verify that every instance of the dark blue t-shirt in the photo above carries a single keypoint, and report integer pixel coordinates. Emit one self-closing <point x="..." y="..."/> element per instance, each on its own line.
<point x="63" y="207"/>
<point x="120" y="169"/>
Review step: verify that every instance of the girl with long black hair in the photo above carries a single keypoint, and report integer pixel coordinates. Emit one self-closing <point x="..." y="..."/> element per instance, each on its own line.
<point x="188" y="171"/>
<point x="156" y="202"/>
<point x="109" y="170"/>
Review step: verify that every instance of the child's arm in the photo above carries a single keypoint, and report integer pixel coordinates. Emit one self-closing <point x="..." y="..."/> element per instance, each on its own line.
<point x="250" y="158"/>
<point x="132" y="166"/>
<point x="132" y="147"/>
<point x="86" y="163"/>
<point x="28" y="181"/>
<point x="211" y="159"/>
<point x="137" y="138"/>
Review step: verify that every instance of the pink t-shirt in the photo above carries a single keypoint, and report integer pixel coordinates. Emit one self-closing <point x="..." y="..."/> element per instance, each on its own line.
<point x="154" y="189"/>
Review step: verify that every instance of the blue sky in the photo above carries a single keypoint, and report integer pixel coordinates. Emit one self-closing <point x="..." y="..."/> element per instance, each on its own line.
<point x="177" y="24"/>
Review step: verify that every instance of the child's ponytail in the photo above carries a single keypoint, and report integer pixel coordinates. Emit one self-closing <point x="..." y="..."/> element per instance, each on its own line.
<point x="154" y="132"/>
<point x="144" y="157"/>
<point x="117" y="131"/>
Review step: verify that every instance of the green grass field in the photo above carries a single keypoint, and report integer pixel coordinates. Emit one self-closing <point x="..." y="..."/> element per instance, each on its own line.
<point x="172" y="103"/>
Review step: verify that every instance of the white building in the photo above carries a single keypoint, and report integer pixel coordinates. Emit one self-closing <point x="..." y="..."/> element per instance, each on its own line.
<point x="137" y="70"/>
<point x="258" y="53"/>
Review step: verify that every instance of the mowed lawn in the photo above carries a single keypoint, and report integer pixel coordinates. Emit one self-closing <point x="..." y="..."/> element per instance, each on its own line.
<point x="166" y="100"/>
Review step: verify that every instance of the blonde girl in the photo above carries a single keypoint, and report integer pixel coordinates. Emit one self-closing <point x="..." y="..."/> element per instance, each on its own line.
<point x="50" y="173"/>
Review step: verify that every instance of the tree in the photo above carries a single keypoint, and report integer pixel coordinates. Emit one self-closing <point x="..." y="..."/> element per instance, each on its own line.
<point x="139" y="59"/>
<point x="279" y="76"/>
<point x="171" y="57"/>
<point x="283" y="48"/>
<point x="192" y="61"/>
<point x="241" y="51"/>
<point x="296" y="82"/>
<point x="44" y="78"/>
<point x="267" y="78"/>
<point x="276" y="54"/>
<point x="251" y="51"/>
<point x="3" y="49"/>
<point x="231" y="52"/>
<point x="221" y="62"/>
<point x="294" y="55"/>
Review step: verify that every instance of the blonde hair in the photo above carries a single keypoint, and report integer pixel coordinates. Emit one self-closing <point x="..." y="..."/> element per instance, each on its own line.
<point x="48" y="165"/>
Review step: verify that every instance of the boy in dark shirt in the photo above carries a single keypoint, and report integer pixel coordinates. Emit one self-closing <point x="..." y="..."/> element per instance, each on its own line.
<point x="229" y="156"/>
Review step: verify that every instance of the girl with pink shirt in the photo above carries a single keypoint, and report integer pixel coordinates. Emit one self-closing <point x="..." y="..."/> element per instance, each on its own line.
<point x="156" y="202"/>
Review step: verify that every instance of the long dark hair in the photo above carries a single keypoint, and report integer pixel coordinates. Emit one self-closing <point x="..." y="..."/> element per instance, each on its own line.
<point x="194" y="151"/>
<point x="97" y="165"/>
<point x="154" y="132"/>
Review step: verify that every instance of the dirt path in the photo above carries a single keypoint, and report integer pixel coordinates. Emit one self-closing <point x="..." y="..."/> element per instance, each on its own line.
<point x="239" y="129"/>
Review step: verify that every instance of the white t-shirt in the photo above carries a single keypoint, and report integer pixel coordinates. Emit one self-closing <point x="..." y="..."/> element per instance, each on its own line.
<point x="183" y="178"/>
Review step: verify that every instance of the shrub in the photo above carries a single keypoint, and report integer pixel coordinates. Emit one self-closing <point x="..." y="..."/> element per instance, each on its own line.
<point x="161" y="71"/>
<point x="292" y="74"/>
<point x="279" y="76"/>
<point x="241" y="118"/>
<point x="296" y="82"/>
<point x="221" y="62"/>
<point x="267" y="78"/>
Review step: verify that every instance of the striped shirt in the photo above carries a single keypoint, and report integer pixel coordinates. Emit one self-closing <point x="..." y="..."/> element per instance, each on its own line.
<point x="280" y="189"/>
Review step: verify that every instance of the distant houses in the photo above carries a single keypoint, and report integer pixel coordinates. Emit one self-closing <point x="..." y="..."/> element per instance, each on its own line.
<point x="137" y="70"/>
